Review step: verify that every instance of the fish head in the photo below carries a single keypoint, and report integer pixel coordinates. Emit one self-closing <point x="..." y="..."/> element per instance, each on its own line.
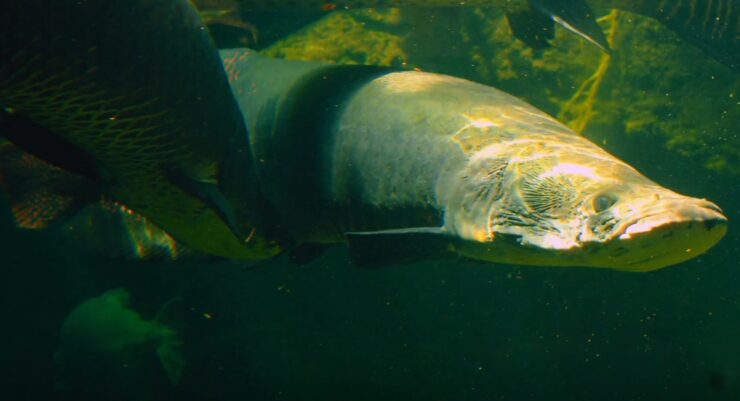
<point x="578" y="206"/>
<point x="630" y="223"/>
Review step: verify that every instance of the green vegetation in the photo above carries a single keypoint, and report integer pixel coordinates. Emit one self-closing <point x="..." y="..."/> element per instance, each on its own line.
<point x="655" y="89"/>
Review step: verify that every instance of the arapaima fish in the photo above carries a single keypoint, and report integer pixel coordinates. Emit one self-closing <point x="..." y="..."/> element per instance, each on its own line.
<point x="131" y="95"/>
<point x="401" y="165"/>
<point x="407" y="165"/>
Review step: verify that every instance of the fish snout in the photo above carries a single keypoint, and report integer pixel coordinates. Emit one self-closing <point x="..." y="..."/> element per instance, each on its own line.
<point x="671" y="231"/>
<point x="674" y="211"/>
<point x="700" y="211"/>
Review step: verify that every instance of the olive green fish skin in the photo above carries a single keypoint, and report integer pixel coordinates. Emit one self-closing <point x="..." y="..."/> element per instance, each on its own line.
<point x="139" y="87"/>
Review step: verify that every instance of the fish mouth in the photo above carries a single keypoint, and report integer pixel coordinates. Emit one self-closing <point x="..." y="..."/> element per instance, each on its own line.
<point x="662" y="235"/>
<point x="669" y="237"/>
<point x="700" y="211"/>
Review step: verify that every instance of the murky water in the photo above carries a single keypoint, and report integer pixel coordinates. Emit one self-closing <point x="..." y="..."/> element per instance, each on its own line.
<point x="443" y="330"/>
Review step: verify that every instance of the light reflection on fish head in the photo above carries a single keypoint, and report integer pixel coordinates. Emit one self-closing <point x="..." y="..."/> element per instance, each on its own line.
<point x="586" y="209"/>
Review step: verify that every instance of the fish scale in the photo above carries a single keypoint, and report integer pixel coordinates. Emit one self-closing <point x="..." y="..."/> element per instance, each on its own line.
<point x="140" y="89"/>
<point x="157" y="119"/>
<point x="452" y="167"/>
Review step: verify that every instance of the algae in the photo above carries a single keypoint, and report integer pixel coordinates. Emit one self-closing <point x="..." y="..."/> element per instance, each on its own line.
<point x="362" y="37"/>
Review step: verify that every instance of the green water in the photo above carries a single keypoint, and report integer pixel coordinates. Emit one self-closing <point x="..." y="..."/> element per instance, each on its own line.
<point x="435" y="331"/>
<point x="428" y="331"/>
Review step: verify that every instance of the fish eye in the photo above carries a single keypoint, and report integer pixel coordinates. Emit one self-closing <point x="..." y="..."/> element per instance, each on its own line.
<point x="603" y="202"/>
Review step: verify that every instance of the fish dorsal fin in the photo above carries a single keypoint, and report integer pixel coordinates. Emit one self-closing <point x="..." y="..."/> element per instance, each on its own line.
<point x="172" y="360"/>
<point x="204" y="185"/>
<point x="169" y="351"/>
<point x="388" y="247"/>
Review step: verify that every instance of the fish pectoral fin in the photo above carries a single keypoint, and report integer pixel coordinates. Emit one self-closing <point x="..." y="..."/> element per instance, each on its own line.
<point x="389" y="247"/>
<point x="172" y="360"/>
<point x="206" y="188"/>
<point x="575" y="16"/>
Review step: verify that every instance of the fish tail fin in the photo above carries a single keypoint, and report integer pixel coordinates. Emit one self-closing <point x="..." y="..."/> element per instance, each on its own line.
<point x="40" y="193"/>
<point x="120" y="233"/>
<point x="171" y="358"/>
<point x="169" y="350"/>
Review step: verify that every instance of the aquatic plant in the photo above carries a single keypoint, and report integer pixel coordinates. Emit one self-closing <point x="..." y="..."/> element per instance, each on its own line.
<point x="361" y="37"/>
<point x="655" y="89"/>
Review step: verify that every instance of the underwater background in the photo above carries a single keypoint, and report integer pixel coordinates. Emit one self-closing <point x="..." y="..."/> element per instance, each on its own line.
<point x="438" y="331"/>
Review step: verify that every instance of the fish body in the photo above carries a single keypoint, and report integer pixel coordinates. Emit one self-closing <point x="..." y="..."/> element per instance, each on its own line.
<point x="404" y="163"/>
<point x="154" y="122"/>
<point x="423" y="162"/>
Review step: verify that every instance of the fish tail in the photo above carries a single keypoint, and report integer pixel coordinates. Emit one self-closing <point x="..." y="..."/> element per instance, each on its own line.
<point x="172" y="360"/>
<point x="138" y="89"/>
